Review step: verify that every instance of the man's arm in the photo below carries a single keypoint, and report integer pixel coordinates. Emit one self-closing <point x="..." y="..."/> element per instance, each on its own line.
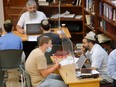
<point x="46" y="72"/>
<point x="19" y="29"/>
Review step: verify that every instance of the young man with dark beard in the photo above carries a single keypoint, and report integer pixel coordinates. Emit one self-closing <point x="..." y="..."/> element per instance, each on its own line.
<point x="97" y="55"/>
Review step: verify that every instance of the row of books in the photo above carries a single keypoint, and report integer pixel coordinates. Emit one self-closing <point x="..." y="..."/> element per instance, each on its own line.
<point x="66" y="14"/>
<point x="43" y="3"/>
<point x="89" y="5"/>
<point x="107" y="27"/>
<point x="78" y="2"/>
<point x="107" y="11"/>
<point x="89" y="20"/>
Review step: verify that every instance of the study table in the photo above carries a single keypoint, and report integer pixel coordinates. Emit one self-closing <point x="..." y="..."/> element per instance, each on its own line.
<point x="28" y="46"/>
<point x="24" y="37"/>
<point x="68" y="74"/>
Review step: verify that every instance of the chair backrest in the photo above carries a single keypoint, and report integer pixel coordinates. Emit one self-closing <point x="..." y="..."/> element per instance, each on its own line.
<point x="55" y="48"/>
<point x="1" y="78"/>
<point x="10" y="59"/>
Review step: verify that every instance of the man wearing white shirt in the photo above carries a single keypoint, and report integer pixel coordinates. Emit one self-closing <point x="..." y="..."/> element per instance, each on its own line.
<point x="97" y="55"/>
<point x="112" y="66"/>
<point x="30" y="17"/>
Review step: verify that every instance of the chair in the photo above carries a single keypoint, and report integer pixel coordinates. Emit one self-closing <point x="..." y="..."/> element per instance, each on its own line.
<point x="26" y="78"/>
<point x="1" y="78"/>
<point x="10" y="59"/>
<point x="48" y="54"/>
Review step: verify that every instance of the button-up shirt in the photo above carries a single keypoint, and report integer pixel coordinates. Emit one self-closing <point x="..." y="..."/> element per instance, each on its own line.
<point x="112" y="64"/>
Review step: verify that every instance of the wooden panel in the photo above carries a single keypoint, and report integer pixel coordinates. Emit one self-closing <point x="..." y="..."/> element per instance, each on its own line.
<point x="13" y="9"/>
<point x="17" y="3"/>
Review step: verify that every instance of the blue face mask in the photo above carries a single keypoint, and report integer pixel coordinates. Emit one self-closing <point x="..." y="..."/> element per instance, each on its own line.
<point x="49" y="49"/>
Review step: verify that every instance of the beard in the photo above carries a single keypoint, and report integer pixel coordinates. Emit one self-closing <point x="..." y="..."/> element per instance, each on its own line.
<point x="33" y="14"/>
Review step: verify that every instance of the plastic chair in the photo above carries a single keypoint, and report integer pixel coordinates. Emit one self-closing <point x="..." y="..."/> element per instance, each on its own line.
<point x="48" y="54"/>
<point x="10" y="59"/>
<point x="26" y="77"/>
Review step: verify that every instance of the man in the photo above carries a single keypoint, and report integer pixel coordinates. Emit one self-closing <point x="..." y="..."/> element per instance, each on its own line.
<point x="97" y="55"/>
<point x="112" y="66"/>
<point x="36" y="65"/>
<point x="46" y="32"/>
<point x="29" y="17"/>
<point x="10" y="40"/>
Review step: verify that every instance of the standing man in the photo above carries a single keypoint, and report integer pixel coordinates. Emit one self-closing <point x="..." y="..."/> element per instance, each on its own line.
<point x="97" y="55"/>
<point x="30" y="17"/>
<point x="36" y="66"/>
<point x="112" y="66"/>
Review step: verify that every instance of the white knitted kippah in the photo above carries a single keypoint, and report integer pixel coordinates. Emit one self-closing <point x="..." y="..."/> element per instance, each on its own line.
<point x="7" y="21"/>
<point x="90" y="36"/>
<point x="45" y="22"/>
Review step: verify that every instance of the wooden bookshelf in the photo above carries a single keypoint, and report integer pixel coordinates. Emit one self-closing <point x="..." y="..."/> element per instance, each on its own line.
<point x="104" y="19"/>
<point x="106" y="15"/>
<point x="67" y="5"/>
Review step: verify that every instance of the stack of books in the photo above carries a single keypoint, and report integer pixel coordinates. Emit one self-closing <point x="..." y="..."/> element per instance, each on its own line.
<point x="43" y="3"/>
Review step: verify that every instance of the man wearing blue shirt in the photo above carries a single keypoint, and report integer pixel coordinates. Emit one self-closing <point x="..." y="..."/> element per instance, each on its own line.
<point x="10" y="40"/>
<point x="112" y="66"/>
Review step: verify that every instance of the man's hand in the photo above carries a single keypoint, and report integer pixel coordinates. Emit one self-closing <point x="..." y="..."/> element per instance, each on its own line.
<point x="57" y="64"/>
<point x="21" y="31"/>
<point x="83" y="50"/>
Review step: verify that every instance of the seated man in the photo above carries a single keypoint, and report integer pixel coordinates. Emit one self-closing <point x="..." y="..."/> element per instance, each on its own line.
<point x="36" y="66"/>
<point x="30" y="17"/>
<point x="10" y="40"/>
<point x="46" y="32"/>
<point x="112" y="66"/>
<point x="97" y="55"/>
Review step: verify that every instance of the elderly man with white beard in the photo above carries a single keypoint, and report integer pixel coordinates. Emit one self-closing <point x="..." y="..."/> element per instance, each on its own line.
<point x="30" y="17"/>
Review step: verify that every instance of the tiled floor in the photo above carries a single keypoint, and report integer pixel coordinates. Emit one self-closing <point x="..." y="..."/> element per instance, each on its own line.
<point x="13" y="79"/>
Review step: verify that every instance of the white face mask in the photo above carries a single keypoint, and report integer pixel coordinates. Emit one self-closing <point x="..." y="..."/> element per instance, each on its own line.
<point x="49" y="49"/>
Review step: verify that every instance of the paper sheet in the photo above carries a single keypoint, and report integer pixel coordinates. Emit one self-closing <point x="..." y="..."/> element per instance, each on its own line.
<point x="32" y="38"/>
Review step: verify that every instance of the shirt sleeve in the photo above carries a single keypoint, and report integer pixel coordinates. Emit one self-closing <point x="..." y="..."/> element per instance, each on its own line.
<point x="41" y="62"/>
<point x="44" y="16"/>
<point x="21" y="20"/>
<point x="112" y="65"/>
<point x="96" y="61"/>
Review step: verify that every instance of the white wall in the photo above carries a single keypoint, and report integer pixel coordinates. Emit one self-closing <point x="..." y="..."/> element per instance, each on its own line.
<point x="1" y="14"/>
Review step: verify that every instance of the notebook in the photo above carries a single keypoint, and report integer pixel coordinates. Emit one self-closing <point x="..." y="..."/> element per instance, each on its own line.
<point x="32" y="29"/>
<point x="81" y="61"/>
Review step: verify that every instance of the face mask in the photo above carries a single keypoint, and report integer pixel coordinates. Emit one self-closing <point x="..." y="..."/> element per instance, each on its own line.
<point x="49" y="49"/>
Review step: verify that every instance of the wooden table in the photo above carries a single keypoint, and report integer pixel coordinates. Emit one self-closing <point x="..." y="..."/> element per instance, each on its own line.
<point x="24" y="37"/>
<point x="69" y="76"/>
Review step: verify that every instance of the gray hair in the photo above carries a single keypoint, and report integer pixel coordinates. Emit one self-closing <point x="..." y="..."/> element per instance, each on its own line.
<point x="31" y="3"/>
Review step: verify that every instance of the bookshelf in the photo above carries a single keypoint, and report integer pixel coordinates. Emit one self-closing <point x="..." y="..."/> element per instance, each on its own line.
<point x="74" y="24"/>
<point x="101" y="15"/>
<point x="106" y="18"/>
